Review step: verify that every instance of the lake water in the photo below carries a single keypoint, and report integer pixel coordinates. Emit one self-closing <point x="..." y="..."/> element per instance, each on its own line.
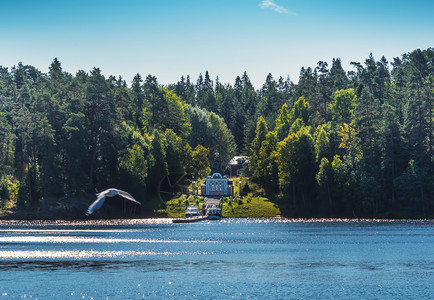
<point x="228" y="259"/>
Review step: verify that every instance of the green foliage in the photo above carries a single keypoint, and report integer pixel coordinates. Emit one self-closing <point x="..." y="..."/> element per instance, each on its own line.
<point x="7" y="145"/>
<point x="297" y="126"/>
<point x="334" y="144"/>
<point x="178" y="152"/>
<point x="322" y="144"/>
<point x="268" y="169"/>
<point x="159" y="168"/>
<point x="210" y="131"/>
<point x="134" y="164"/>
<point x="300" y="111"/>
<point x="283" y="123"/>
<point x="9" y="189"/>
<point x="255" y="159"/>
<point x="325" y="181"/>
<point x="171" y="115"/>
<point x="199" y="163"/>
<point x="295" y="159"/>
<point x="343" y="106"/>
<point x="415" y="185"/>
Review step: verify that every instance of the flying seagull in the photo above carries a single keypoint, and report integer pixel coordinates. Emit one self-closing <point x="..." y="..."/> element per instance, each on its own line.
<point x="108" y="193"/>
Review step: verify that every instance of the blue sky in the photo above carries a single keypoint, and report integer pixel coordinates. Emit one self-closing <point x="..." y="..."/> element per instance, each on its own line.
<point x="170" y="38"/>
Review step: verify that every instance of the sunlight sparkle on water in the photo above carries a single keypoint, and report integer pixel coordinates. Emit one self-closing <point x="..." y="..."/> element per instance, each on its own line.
<point x="168" y="221"/>
<point x="72" y="239"/>
<point x="242" y="258"/>
<point x="86" y="254"/>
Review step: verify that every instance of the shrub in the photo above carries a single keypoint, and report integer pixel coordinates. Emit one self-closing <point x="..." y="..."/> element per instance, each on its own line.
<point x="9" y="188"/>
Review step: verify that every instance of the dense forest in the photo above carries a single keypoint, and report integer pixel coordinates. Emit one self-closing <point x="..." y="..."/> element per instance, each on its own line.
<point x="336" y="144"/>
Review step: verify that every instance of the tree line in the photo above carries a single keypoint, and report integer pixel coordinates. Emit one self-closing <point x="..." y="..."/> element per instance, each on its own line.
<point x="66" y="137"/>
<point x="355" y="144"/>
<point x="358" y="144"/>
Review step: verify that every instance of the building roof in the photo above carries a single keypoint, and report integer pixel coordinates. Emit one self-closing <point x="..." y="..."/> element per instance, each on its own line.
<point x="238" y="160"/>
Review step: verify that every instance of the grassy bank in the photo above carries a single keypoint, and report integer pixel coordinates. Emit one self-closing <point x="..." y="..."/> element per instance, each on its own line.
<point x="249" y="207"/>
<point x="233" y="207"/>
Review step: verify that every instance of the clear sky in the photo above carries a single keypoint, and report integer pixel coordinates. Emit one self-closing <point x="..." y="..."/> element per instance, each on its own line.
<point x="170" y="38"/>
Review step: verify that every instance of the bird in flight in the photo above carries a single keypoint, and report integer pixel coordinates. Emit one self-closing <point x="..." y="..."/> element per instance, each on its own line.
<point x="108" y="193"/>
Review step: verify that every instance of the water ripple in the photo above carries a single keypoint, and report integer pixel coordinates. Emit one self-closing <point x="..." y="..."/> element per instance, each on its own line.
<point x="168" y="221"/>
<point x="81" y="240"/>
<point x="83" y="254"/>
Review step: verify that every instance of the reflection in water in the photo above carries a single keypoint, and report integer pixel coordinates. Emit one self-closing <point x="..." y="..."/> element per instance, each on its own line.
<point x="87" y="265"/>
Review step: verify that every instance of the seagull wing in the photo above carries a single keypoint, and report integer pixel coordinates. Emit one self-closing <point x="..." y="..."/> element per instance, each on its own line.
<point x="108" y="193"/>
<point x="105" y="193"/>
<point x="128" y="196"/>
<point x="96" y="204"/>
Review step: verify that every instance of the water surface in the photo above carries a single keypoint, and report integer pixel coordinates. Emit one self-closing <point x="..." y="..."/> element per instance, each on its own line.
<point x="241" y="259"/>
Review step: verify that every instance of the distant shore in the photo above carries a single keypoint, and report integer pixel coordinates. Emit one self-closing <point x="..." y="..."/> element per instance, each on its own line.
<point x="152" y="220"/>
<point x="249" y="207"/>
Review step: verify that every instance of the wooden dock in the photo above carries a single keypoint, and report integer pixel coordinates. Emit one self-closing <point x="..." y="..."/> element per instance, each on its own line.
<point x="189" y="220"/>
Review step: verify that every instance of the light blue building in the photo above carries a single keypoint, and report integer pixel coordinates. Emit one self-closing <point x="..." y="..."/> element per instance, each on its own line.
<point x="217" y="185"/>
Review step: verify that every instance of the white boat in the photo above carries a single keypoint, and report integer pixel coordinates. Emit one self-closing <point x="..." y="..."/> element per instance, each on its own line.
<point x="192" y="211"/>
<point x="214" y="213"/>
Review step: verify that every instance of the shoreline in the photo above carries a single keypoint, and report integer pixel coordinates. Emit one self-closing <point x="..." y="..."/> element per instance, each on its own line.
<point x="169" y="221"/>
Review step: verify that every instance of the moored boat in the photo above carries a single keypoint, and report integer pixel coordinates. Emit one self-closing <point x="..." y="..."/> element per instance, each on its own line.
<point x="214" y="213"/>
<point x="192" y="211"/>
<point x="192" y="214"/>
